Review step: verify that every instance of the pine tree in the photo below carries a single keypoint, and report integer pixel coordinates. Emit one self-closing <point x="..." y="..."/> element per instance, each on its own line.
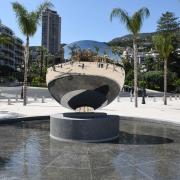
<point x="168" y="23"/>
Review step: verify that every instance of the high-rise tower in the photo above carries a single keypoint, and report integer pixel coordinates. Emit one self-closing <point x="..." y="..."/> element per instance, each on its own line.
<point x="51" y="31"/>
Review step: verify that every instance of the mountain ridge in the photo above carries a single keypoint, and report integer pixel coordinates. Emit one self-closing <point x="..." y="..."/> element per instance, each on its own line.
<point x="143" y="38"/>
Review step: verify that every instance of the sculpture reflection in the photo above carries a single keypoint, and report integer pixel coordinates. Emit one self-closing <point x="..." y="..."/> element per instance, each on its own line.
<point x="90" y="78"/>
<point x="90" y="51"/>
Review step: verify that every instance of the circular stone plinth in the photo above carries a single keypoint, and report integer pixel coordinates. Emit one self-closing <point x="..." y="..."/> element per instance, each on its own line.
<point x="87" y="127"/>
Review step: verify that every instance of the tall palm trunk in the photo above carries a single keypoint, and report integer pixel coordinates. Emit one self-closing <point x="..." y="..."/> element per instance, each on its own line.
<point x="165" y="81"/>
<point x="46" y="58"/>
<point x="26" y="71"/>
<point x="135" y="72"/>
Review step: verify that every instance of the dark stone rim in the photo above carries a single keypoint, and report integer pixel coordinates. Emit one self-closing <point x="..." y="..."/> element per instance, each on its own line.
<point x="122" y="118"/>
<point x="21" y="119"/>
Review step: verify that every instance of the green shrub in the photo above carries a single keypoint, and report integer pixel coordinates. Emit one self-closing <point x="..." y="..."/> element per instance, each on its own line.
<point x="38" y="81"/>
<point x="177" y="85"/>
<point x="11" y="78"/>
<point x="142" y="84"/>
<point x="155" y="80"/>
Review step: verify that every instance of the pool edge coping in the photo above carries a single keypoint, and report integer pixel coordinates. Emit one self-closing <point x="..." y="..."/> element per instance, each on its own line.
<point x="127" y="118"/>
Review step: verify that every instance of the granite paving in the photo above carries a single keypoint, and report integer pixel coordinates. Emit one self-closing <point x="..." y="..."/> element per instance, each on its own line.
<point x="144" y="151"/>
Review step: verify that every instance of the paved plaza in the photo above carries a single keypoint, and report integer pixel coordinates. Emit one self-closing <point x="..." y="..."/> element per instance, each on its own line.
<point x="153" y="109"/>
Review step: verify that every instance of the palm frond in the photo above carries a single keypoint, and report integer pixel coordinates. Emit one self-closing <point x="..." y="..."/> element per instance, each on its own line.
<point x="19" y="9"/>
<point x="137" y="22"/>
<point x="28" y="21"/>
<point x="96" y="49"/>
<point x="168" y="47"/>
<point x="133" y="23"/>
<point x="41" y="8"/>
<point x="123" y="16"/>
<point x="158" y="41"/>
<point x="21" y="15"/>
<point x="163" y="45"/>
<point x="144" y="12"/>
<point x="137" y="19"/>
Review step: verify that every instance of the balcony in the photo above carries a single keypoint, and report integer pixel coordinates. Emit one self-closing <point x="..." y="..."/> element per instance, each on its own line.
<point x="9" y="58"/>
<point x="18" y="56"/>
<point x="5" y="63"/>
<point x="6" y="49"/>
<point x="19" y="50"/>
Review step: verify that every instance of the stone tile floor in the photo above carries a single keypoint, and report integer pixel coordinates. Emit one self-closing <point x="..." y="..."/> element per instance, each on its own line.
<point x="144" y="151"/>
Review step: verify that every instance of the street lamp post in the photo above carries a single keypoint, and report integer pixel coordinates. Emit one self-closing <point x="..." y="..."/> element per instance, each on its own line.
<point x="22" y="71"/>
<point x="143" y="96"/>
<point x="143" y="70"/>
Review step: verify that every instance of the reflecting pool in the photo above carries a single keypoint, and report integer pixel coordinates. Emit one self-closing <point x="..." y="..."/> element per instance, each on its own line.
<point x="144" y="151"/>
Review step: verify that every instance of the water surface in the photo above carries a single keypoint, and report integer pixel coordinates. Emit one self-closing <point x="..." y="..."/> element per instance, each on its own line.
<point x="143" y="151"/>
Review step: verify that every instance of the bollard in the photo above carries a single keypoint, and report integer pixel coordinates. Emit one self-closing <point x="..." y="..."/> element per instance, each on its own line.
<point x="131" y="100"/>
<point x="35" y="97"/>
<point x="118" y="99"/>
<point x="16" y="98"/>
<point x="9" y="101"/>
<point x="175" y="97"/>
<point x="170" y="98"/>
<point x="154" y="99"/>
<point x="43" y="99"/>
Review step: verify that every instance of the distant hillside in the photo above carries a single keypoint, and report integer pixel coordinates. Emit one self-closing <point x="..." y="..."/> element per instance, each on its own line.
<point x="144" y="39"/>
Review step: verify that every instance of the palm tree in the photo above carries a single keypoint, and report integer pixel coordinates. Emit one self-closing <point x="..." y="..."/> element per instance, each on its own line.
<point x="43" y="52"/>
<point x="133" y="24"/>
<point x="73" y="51"/>
<point x="97" y="52"/>
<point x="28" y="22"/>
<point x="47" y="59"/>
<point x="163" y="45"/>
<point x="97" y="49"/>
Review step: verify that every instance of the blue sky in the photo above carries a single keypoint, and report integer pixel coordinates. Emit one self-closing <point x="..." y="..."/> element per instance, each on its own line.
<point x="89" y="19"/>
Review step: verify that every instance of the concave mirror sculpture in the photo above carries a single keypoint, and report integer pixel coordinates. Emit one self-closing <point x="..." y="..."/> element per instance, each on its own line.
<point x="91" y="78"/>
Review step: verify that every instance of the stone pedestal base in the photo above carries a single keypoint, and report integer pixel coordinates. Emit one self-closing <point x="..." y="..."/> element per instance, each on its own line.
<point x="86" y="127"/>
